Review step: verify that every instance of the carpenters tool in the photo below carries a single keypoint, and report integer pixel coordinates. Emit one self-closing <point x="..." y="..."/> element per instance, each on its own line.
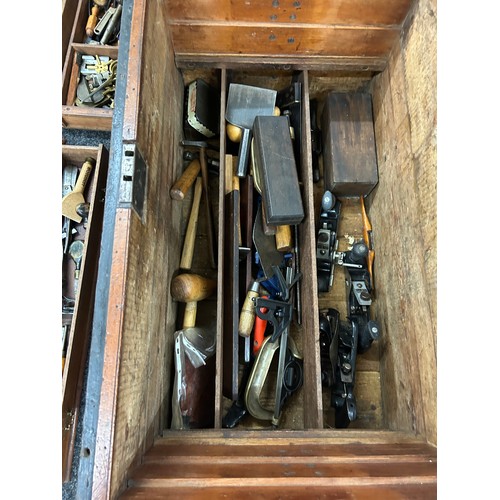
<point x="341" y="341"/>
<point x="326" y="241"/>
<point x="212" y="241"/>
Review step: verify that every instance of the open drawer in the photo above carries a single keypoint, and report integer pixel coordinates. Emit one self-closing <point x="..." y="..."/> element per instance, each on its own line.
<point x="131" y="448"/>
<point x="93" y="111"/>
<point x="79" y="273"/>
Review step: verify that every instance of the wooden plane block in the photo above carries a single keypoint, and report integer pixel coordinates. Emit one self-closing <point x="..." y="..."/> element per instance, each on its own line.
<point x="349" y="155"/>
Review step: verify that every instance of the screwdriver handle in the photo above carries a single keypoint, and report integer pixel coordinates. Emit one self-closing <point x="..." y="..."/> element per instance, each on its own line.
<point x="92" y="21"/>
<point x="247" y="315"/>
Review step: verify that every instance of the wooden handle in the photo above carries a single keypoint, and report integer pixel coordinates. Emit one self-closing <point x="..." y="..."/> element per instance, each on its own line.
<point x="92" y="21"/>
<point x="283" y="238"/>
<point x="181" y="187"/>
<point x="233" y="132"/>
<point x="367" y="236"/>
<point x="188" y="249"/>
<point x="84" y="175"/>
<point x="191" y="287"/>
<point x="189" y="320"/>
<point x="259" y="330"/>
<point x="247" y="315"/>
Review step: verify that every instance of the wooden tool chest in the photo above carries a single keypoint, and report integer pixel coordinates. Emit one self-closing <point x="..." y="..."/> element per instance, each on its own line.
<point x="384" y="48"/>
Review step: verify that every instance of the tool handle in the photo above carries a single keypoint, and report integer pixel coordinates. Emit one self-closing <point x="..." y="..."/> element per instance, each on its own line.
<point x="212" y="250"/>
<point x="191" y="287"/>
<point x="185" y="181"/>
<point x="84" y="175"/>
<point x="189" y="320"/>
<point x="283" y="238"/>
<point x="92" y="21"/>
<point x="189" y="240"/>
<point x="233" y="132"/>
<point x="247" y="315"/>
<point x="244" y="150"/>
<point x="259" y="330"/>
<point x="367" y="236"/>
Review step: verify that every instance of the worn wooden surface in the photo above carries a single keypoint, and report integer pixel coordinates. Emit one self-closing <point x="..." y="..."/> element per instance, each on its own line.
<point x="291" y="464"/>
<point x="141" y="314"/>
<point x="293" y="32"/>
<point x="403" y="213"/>
<point x="348" y="141"/>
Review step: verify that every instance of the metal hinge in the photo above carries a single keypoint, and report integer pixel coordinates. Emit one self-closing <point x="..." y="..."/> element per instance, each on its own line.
<point x="133" y="180"/>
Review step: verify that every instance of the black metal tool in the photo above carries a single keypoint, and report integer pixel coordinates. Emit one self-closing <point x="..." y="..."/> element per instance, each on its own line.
<point x="341" y="341"/>
<point x="326" y="241"/>
<point x="316" y="147"/>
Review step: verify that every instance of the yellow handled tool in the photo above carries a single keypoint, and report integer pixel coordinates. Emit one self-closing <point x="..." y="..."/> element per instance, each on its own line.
<point x="367" y="236"/>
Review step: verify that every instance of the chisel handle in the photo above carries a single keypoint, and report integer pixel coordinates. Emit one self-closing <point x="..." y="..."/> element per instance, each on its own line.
<point x="92" y="21"/>
<point x="185" y="181"/>
<point x="84" y="175"/>
<point x="283" y="238"/>
<point x="247" y="315"/>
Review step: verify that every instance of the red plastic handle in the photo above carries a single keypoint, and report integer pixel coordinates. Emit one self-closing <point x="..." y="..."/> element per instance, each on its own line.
<point x="259" y="330"/>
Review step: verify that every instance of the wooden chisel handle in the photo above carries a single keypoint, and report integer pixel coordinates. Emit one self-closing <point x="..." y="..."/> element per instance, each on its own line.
<point x="247" y="315"/>
<point x="185" y="181"/>
<point x="189" y="240"/>
<point x="284" y="238"/>
<point x="84" y="175"/>
<point x="92" y="21"/>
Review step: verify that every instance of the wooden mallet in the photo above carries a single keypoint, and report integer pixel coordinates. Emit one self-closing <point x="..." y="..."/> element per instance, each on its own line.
<point x="191" y="288"/>
<point x="71" y="201"/>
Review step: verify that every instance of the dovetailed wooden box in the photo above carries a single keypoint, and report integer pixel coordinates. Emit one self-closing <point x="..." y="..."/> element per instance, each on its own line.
<point x="386" y="48"/>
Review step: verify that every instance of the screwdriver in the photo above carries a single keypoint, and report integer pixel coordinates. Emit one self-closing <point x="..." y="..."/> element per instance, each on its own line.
<point x="92" y="20"/>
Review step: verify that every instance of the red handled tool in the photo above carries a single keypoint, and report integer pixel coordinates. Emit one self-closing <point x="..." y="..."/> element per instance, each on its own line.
<point x="259" y="330"/>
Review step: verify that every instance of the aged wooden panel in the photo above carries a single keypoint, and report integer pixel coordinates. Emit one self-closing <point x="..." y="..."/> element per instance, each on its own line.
<point x="417" y="491"/>
<point x="69" y="9"/>
<point x="282" y="62"/>
<point x="358" y="12"/>
<point x="269" y="39"/>
<point x="329" y="464"/>
<point x="405" y="117"/>
<point x="135" y="390"/>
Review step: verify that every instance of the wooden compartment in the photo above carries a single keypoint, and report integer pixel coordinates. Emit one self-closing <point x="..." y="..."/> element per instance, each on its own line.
<point x="384" y="48"/>
<point x="79" y="322"/>
<point x="75" y="40"/>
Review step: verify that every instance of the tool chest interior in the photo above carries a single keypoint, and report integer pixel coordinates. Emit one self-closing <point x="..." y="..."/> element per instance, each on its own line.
<point x="383" y="49"/>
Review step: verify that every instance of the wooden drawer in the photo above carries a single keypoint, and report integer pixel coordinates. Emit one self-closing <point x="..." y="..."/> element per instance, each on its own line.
<point x="78" y="294"/>
<point x="82" y="117"/>
<point x="351" y="46"/>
